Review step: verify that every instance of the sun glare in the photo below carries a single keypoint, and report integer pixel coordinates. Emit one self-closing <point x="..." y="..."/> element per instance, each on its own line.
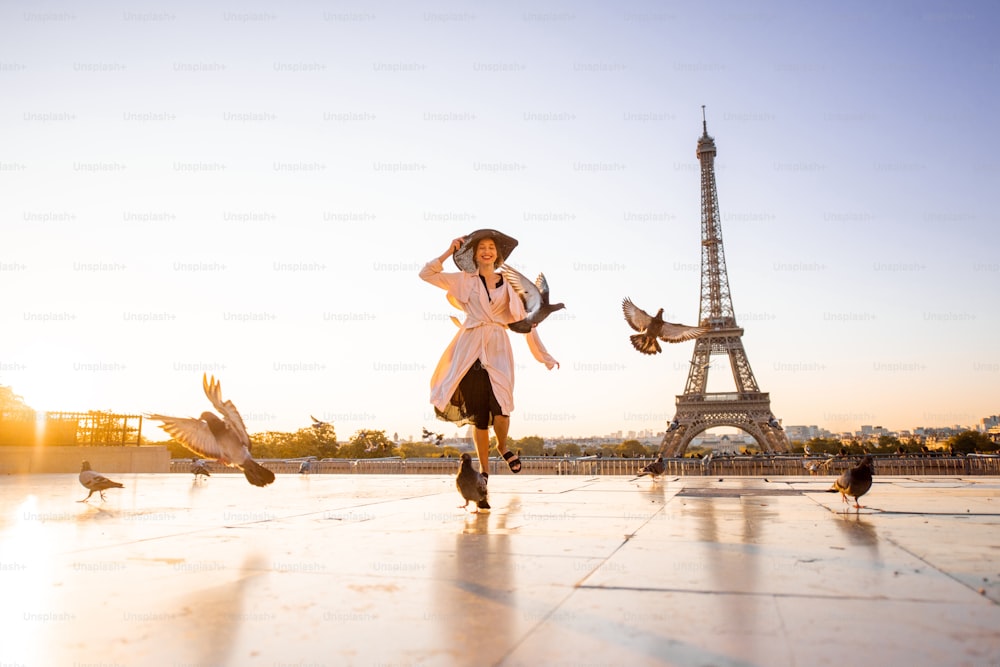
<point x="40" y="419"/>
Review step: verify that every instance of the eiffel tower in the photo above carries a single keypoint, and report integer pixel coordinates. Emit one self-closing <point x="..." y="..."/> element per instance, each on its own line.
<point x="747" y="408"/>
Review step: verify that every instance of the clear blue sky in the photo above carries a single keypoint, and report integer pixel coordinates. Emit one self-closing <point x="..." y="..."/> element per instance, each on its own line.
<point x="251" y="190"/>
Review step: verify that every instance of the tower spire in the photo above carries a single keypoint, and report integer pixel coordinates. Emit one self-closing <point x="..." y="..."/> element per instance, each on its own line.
<point x="746" y="408"/>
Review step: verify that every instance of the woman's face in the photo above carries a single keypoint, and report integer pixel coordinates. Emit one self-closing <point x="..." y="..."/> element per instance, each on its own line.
<point x="486" y="252"/>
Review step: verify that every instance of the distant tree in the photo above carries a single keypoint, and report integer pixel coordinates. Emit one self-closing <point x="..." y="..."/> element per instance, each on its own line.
<point x="273" y="445"/>
<point x="608" y="450"/>
<point x="531" y="445"/>
<point x="368" y="444"/>
<point x="968" y="442"/>
<point x="887" y="444"/>
<point x="631" y="448"/>
<point x="320" y="442"/>
<point x="824" y="445"/>
<point x="13" y="406"/>
<point x="419" y="450"/>
<point x="571" y="448"/>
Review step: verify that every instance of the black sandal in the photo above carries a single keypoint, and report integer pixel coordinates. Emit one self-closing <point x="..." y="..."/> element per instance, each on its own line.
<point x="512" y="460"/>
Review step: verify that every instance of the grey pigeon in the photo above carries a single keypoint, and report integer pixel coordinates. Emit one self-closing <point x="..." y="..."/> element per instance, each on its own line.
<point x="224" y="440"/>
<point x="855" y="481"/>
<point x="652" y="328"/>
<point x="654" y="469"/>
<point x="199" y="467"/>
<point x="535" y="297"/>
<point x="472" y="485"/>
<point x="814" y="466"/>
<point x="95" y="481"/>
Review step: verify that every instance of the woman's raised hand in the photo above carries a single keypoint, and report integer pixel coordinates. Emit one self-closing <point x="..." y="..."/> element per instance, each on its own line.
<point x="453" y="248"/>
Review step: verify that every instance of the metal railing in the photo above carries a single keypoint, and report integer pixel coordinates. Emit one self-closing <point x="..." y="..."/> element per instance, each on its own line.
<point x="738" y="466"/>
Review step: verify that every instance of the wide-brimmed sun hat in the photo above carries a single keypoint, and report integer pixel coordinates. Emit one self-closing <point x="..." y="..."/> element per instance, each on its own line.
<point x="465" y="257"/>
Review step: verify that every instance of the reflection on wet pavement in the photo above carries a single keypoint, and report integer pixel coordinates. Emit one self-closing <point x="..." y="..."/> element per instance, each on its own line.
<point x="370" y="569"/>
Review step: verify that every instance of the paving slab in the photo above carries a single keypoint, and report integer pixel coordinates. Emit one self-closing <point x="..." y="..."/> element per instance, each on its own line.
<point x="565" y="570"/>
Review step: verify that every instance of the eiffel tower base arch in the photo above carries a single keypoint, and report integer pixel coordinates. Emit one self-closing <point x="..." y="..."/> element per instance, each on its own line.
<point x="750" y="413"/>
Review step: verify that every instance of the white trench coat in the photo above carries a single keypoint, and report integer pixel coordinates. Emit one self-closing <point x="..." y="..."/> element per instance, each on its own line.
<point x="483" y="336"/>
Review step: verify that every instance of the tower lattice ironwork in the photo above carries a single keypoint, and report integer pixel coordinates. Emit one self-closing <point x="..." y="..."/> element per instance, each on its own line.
<point x="747" y="408"/>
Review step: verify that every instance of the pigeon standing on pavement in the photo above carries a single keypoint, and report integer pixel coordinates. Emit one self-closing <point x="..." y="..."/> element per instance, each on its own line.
<point x="224" y="440"/>
<point x="200" y="468"/>
<point x="855" y="481"/>
<point x="651" y="328"/>
<point x="654" y="469"/>
<point x="535" y="297"/>
<point x="95" y="482"/>
<point x="471" y="484"/>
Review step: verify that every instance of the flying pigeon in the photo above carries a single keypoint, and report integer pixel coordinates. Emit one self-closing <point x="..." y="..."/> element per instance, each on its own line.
<point x="211" y="437"/>
<point x="654" y="469"/>
<point x="318" y="423"/>
<point x="199" y="467"/>
<point x="95" y="482"/>
<point x="535" y="297"/>
<point x="854" y="482"/>
<point x="471" y="484"/>
<point x="651" y="328"/>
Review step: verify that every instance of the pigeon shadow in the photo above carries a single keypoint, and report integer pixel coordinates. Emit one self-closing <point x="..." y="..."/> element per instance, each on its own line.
<point x="656" y="491"/>
<point x="220" y="614"/>
<point x="858" y="531"/>
<point x="476" y="591"/>
<point x="96" y="513"/>
<point x="477" y="524"/>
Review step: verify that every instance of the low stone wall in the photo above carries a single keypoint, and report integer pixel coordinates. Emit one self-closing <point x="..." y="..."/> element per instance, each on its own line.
<point x="109" y="459"/>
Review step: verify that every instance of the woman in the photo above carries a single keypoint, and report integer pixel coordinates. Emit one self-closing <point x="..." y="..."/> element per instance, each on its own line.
<point x="474" y="380"/>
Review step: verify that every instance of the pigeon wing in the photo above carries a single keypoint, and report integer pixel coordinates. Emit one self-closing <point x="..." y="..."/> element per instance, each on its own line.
<point x="543" y="286"/>
<point x="636" y="317"/>
<point x="675" y="333"/>
<point x="192" y="433"/>
<point x="843" y="483"/>
<point x="96" y="481"/>
<point x="528" y="291"/>
<point x="231" y="416"/>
